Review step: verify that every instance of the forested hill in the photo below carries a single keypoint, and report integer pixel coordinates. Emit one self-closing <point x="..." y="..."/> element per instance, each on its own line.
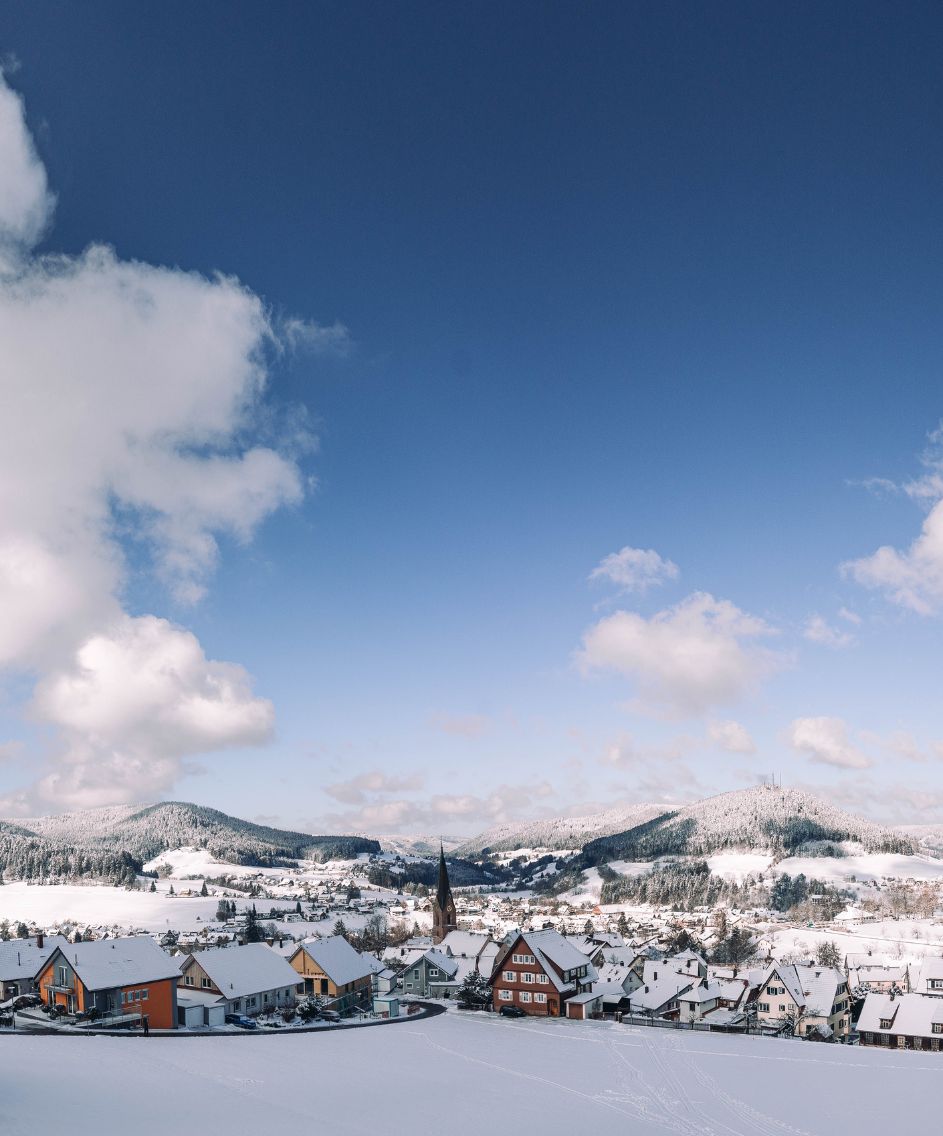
<point x="26" y="856"/>
<point x="145" y="831"/>
<point x="779" y="821"/>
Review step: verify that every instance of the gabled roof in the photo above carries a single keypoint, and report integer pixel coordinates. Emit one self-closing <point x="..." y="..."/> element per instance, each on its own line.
<point x="337" y="958"/>
<point x="910" y="1014"/>
<point x="239" y="971"/>
<point x="465" y="944"/>
<point x="653" y="997"/>
<point x="812" y="988"/>
<point x="556" y="948"/>
<point x="109" y="963"/>
<point x="442" y="962"/>
<point x="21" y="958"/>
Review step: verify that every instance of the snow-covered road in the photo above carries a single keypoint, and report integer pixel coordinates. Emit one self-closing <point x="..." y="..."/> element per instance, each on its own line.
<point x="464" y="1075"/>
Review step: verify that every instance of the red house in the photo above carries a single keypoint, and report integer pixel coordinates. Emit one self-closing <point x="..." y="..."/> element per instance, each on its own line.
<point x="538" y="972"/>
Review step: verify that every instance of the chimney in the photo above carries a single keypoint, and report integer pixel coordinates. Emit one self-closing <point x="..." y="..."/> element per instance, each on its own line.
<point x="39" y="939"/>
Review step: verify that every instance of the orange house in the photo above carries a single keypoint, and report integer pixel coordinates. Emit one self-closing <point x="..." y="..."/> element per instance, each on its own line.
<point x="125" y="980"/>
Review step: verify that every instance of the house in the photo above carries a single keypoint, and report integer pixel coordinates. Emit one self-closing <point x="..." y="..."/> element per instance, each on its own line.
<point x="248" y="979"/>
<point x="804" y="1000"/>
<point x="660" y="998"/>
<point x="902" y="1021"/>
<point x="126" y="980"/>
<point x="331" y="969"/>
<point x="432" y="975"/>
<point x="928" y="979"/>
<point x="880" y="978"/>
<point x="699" y="1000"/>
<point x="538" y="971"/>
<point x="22" y="959"/>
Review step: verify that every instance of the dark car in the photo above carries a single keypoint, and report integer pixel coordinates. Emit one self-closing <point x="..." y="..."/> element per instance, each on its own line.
<point x="511" y="1012"/>
<point x="241" y="1021"/>
<point x="24" y="1000"/>
<point x="330" y="1016"/>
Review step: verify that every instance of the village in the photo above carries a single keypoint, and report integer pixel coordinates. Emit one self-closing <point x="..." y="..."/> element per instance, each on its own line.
<point x="336" y="950"/>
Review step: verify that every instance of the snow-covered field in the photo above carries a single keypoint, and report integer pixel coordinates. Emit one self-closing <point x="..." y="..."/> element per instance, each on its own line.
<point x="466" y="1076"/>
<point x="904" y="940"/>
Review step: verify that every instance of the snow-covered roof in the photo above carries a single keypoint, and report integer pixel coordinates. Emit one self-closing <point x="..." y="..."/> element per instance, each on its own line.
<point x="931" y="969"/>
<point x="812" y="988"/>
<point x="556" y="948"/>
<point x="703" y="992"/>
<point x="109" y="963"/>
<point x="465" y="944"/>
<point x="910" y="1014"/>
<point x="21" y="958"/>
<point x="442" y="962"/>
<point x="652" y="997"/>
<point x="337" y="958"/>
<point x="245" y="970"/>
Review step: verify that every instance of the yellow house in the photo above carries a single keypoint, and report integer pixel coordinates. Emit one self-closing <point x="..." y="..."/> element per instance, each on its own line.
<point x="334" y="971"/>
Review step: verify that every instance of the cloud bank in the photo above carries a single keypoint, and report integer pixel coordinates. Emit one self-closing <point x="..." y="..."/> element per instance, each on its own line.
<point x="129" y="395"/>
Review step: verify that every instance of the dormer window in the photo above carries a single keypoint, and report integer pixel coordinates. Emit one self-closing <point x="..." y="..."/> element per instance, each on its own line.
<point x="886" y="1023"/>
<point x="938" y="1027"/>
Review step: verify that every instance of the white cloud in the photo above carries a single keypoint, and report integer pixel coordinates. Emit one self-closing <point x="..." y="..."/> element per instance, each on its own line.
<point x="25" y="201"/>
<point x="635" y="569"/>
<point x="450" y="813"/>
<point x="826" y="742"/>
<point x="355" y="791"/>
<point x="850" y="616"/>
<point x="319" y="338"/>
<point x="686" y="659"/>
<point x="131" y="395"/>
<point x="731" y="736"/>
<point x="135" y="701"/>
<point x="817" y="630"/>
<point x="913" y="578"/>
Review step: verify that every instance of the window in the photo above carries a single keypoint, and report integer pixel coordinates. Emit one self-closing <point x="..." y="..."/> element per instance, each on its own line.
<point x="137" y="995"/>
<point x="526" y="976"/>
<point x="144" y="995"/>
<point x="205" y="983"/>
<point x="188" y="981"/>
<point x="538" y="997"/>
<point x="885" y="1023"/>
<point x="523" y="960"/>
<point x="506" y="995"/>
<point x="63" y="979"/>
<point x="935" y="984"/>
<point x="938" y="1027"/>
<point x="433" y="973"/>
<point x="510" y="976"/>
<point x="782" y="1008"/>
<point x="124" y="997"/>
<point x="525" y="995"/>
<point x="763" y="1007"/>
<point x="542" y="979"/>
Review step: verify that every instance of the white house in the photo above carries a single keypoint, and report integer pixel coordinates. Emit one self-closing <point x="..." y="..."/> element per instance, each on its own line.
<point x="248" y="979"/>
<point x="804" y="1000"/>
<point x="904" y="1021"/>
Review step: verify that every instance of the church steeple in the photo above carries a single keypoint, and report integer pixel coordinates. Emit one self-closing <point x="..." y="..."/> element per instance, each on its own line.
<point x="444" y="918"/>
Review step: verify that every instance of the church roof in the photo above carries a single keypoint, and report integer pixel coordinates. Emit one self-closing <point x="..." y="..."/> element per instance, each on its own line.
<point x="443" y="892"/>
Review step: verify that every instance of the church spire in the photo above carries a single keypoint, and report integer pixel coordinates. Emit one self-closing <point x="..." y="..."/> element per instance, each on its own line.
<point x="444" y="918"/>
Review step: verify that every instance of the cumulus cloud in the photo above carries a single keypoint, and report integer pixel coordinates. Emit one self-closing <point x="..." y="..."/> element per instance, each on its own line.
<point x="731" y="736"/>
<point x="913" y="577"/>
<point x="818" y="630"/>
<point x="635" y="569"/>
<point x="130" y="394"/>
<point x="826" y="742"/>
<point x="26" y="204"/>
<point x="686" y="659"/>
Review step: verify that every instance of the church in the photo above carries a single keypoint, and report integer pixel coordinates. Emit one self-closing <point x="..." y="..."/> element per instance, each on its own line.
<point x="444" y="918"/>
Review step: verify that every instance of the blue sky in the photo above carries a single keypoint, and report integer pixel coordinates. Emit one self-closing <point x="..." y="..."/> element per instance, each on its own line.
<point x="545" y="282"/>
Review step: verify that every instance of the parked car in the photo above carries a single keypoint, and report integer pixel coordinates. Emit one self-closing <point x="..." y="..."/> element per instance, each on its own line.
<point x="241" y="1021"/>
<point x="21" y="1001"/>
<point x="511" y="1012"/>
<point x="330" y="1015"/>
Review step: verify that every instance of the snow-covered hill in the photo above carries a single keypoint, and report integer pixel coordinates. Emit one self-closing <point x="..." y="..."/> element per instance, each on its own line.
<point x="144" y="831"/>
<point x="560" y="832"/>
<point x="928" y="836"/>
<point x="780" y="821"/>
